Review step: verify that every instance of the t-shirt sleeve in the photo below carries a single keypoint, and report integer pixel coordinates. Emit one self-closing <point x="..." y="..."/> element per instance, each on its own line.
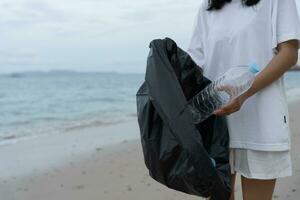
<point x="285" y="21"/>
<point x="195" y="48"/>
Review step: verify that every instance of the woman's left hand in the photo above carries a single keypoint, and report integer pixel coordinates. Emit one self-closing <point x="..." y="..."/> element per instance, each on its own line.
<point x="232" y="106"/>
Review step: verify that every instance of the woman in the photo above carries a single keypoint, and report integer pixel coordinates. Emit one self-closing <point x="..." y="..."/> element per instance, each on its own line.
<point x="229" y="33"/>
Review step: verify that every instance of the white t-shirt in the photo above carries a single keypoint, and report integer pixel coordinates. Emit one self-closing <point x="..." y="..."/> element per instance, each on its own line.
<point x="241" y="35"/>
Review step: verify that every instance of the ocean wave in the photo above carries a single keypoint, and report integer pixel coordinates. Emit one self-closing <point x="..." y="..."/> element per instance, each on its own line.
<point x="12" y="135"/>
<point x="133" y="114"/>
<point x="101" y="99"/>
<point x="14" y="141"/>
<point x="16" y="123"/>
<point x="96" y="123"/>
<point x="8" y="137"/>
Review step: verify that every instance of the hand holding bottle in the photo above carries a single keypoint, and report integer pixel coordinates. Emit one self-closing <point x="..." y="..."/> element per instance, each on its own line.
<point x="232" y="106"/>
<point x="224" y="95"/>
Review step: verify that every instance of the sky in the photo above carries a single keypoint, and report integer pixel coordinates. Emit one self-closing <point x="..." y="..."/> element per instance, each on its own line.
<point x="89" y="35"/>
<point x="97" y="35"/>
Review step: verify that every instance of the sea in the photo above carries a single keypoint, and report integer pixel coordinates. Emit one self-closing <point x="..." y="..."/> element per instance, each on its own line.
<point x="55" y="102"/>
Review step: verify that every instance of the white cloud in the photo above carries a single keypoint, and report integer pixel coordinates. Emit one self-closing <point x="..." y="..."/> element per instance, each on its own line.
<point x="93" y="34"/>
<point x="89" y="34"/>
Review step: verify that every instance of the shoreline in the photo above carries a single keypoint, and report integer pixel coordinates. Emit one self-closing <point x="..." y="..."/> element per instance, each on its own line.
<point x="13" y="139"/>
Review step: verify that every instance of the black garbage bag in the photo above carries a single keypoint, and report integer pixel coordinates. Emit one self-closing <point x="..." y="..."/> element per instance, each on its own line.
<point x="176" y="151"/>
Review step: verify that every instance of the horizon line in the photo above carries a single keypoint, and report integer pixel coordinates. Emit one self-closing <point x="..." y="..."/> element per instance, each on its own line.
<point x="68" y="71"/>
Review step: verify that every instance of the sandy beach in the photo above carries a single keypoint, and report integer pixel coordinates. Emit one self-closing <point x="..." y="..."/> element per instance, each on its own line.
<point x="78" y="165"/>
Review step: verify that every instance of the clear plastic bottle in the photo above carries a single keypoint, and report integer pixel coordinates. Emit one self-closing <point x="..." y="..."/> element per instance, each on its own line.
<point x="230" y="85"/>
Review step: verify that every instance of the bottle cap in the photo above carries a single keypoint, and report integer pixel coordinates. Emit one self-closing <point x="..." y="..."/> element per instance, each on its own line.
<point x="254" y="68"/>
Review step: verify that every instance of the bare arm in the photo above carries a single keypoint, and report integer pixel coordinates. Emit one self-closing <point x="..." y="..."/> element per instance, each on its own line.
<point x="286" y="57"/>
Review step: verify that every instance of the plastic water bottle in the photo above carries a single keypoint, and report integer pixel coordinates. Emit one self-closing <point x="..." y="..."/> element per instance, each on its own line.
<point x="227" y="87"/>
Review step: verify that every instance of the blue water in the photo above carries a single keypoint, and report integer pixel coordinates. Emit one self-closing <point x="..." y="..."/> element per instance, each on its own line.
<point x="292" y="80"/>
<point x="55" y="102"/>
<point x="37" y="103"/>
<point x="292" y="84"/>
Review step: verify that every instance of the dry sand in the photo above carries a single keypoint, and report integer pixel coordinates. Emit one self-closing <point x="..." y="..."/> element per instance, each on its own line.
<point x="78" y="166"/>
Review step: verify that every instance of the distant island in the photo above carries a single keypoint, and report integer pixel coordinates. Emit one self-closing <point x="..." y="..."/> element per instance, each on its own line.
<point x="62" y="72"/>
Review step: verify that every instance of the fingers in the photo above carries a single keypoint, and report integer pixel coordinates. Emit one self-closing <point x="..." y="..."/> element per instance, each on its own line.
<point x="227" y="109"/>
<point x="219" y="112"/>
<point x="231" y="107"/>
<point x="230" y="90"/>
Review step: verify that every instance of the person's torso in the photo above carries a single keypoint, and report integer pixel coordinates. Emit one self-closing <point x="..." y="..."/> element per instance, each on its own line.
<point x="241" y="35"/>
<point x="237" y="35"/>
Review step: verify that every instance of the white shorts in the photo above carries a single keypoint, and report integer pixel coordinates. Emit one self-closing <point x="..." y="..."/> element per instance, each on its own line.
<point x="260" y="164"/>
